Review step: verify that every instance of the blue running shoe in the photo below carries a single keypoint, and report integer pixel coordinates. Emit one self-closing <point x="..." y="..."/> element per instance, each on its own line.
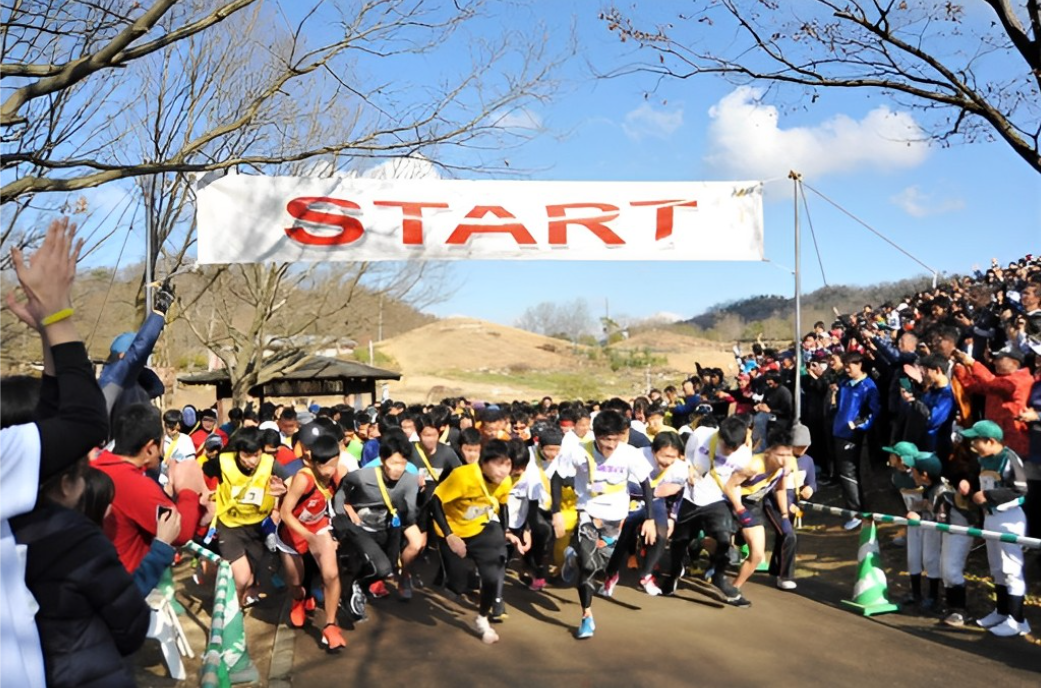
<point x="586" y="628"/>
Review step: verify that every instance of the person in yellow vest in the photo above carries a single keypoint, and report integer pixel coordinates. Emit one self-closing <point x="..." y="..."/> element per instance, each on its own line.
<point x="249" y="483"/>
<point x="470" y="515"/>
<point x="601" y="473"/>
<point x="655" y="416"/>
<point x="747" y="489"/>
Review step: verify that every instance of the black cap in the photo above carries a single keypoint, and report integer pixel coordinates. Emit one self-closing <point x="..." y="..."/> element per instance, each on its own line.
<point x="310" y="433"/>
<point x="208" y="413"/>
<point x="1014" y="354"/>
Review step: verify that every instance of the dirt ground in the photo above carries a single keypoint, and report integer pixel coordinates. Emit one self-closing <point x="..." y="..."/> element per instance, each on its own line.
<point x="691" y="639"/>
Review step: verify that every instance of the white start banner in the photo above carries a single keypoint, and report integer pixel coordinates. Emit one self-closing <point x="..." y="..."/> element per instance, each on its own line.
<point x="253" y="219"/>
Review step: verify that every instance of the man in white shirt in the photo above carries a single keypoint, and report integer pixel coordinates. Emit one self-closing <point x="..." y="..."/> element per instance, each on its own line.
<point x="177" y="446"/>
<point x="713" y="456"/>
<point x="601" y="470"/>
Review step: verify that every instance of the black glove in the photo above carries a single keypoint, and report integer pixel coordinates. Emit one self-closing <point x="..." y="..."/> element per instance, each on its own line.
<point x="164" y="298"/>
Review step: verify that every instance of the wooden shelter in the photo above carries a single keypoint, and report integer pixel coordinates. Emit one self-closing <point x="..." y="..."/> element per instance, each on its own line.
<point x="318" y="376"/>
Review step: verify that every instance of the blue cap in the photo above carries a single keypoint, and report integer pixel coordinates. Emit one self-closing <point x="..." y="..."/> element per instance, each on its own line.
<point x="314" y="408"/>
<point x="121" y="344"/>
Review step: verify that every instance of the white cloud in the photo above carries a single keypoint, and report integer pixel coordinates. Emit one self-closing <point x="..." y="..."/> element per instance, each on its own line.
<point x="747" y="141"/>
<point x="646" y="122"/>
<point x="521" y="118"/>
<point x="663" y="317"/>
<point x="917" y="203"/>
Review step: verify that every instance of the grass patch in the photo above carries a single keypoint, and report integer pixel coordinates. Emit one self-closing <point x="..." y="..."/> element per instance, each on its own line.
<point x="380" y="359"/>
<point x="561" y="384"/>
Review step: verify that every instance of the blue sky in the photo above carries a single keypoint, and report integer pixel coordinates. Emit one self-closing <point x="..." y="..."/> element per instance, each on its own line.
<point x="949" y="207"/>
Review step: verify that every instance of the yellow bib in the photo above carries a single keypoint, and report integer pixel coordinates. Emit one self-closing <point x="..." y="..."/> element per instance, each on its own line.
<point x="242" y="499"/>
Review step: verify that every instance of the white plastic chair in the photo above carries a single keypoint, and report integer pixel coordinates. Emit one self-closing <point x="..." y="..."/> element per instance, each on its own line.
<point x="166" y="628"/>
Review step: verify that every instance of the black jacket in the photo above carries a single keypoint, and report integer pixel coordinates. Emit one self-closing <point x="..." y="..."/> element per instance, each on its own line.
<point x="91" y="613"/>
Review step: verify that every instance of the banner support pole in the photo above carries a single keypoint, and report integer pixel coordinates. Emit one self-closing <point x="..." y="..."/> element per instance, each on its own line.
<point x="797" y="392"/>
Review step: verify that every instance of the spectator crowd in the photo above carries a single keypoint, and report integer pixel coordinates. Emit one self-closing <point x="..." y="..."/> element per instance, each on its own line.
<point x="339" y="505"/>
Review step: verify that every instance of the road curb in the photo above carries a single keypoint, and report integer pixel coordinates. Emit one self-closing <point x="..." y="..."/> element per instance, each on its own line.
<point x="282" y="650"/>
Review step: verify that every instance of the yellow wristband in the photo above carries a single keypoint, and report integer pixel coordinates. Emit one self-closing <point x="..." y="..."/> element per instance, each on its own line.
<point x="57" y="317"/>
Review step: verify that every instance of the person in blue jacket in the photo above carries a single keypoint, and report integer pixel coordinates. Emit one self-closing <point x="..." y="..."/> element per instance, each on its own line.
<point x="858" y="405"/>
<point x="125" y="379"/>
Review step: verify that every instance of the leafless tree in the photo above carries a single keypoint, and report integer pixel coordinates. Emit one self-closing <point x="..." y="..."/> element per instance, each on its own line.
<point x="139" y="96"/>
<point x="569" y="321"/>
<point x="976" y="73"/>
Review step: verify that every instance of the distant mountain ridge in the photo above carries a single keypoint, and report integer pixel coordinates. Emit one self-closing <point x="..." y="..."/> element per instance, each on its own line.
<point x="816" y="305"/>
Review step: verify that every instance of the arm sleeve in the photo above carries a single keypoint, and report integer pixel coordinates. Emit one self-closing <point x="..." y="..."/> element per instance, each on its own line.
<point x="81" y="422"/>
<point x="648" y="493"/>
<point x="533" y="515"/>
<point x="504" y="515"/>
<point x="886" y="351"/>
<point x="47" y="406"/>
<point x="940" y="410"/>
<point x="124" y="372"/>
<point x="150" y="570"/>
<point x="437" y="512"/>
<point x="874" y="404"/>
<point x="688" y="405"/>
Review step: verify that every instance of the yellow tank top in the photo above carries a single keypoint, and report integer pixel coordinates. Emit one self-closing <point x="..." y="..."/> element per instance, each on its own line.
<point x="756" y="487"/>
<point x="242" y="499"/>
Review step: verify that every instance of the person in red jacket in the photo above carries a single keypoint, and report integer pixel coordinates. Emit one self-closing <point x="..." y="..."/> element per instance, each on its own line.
<point x="1006" y="392"/>
<point x="137" y="432"/>
<point x="207" y="427"/>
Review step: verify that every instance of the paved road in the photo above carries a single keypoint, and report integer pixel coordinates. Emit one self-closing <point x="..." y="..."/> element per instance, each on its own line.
<point x="804" y="637"/>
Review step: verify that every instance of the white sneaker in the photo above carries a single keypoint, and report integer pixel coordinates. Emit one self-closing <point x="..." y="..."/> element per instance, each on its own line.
<point x="485" y="630"/>
<point x="649" y="586"/>
<point x="992" y="619"/>
<point x="786" y="584"/>
<point x="851" y="524"/>
<point x="1010" y="628"/>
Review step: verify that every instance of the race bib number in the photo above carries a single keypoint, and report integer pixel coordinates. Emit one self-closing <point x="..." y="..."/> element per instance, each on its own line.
<point x="254" y="496"/>
<point x="475" y="512"/>
<point x="989" y="480"/>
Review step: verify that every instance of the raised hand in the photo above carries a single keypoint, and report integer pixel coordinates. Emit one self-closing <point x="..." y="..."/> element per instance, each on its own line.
<point x="47" y="277"/>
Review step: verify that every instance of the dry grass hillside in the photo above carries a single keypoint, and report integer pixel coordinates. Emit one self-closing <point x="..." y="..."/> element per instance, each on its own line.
<point x="482" y="360"/>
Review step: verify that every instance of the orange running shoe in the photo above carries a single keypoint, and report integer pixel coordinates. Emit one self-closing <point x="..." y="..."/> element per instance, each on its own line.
<point x="378" y="589"/>
<point x="332" y="638"/>
<point x="298" y="613"/>
<point x="309" y="603"/>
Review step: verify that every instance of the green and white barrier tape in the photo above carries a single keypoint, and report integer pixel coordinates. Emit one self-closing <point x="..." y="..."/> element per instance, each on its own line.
<point x="1033" y="543"/>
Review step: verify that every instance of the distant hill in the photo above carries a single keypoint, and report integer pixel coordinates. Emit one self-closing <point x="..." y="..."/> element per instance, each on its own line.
<point x="771" y="314"/>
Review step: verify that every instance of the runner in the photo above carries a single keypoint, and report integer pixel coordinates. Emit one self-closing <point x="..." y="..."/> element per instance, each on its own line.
<point x="748" y="488"/>
<point x="374" y="508"/>
<point x="600" y="471"/>
<point x="669" y="473"/>
<point x="470" y="514"/>
<point x="249" y="482"/>
<point x="305" y="528"/>
<point x="713" y="454"/>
